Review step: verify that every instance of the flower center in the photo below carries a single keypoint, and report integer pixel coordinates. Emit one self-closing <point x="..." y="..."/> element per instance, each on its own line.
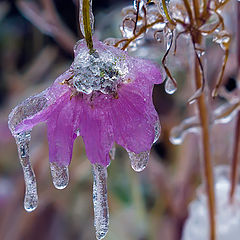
<point x="100" y="71"/>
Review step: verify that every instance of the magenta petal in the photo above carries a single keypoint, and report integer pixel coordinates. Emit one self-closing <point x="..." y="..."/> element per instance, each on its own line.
<point x="96" y="130"/>
<point x="133" y="121"/>
<point x="37" y="108"/>
<point x="61" y="132"/>
<point x="146" y="70"/>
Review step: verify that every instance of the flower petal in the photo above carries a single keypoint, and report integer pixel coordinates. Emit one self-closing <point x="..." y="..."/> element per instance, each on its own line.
<point x="37" y="108"/>
<point x="61" y="132"/>
<point x="133" y="121"/>
<point x="96" y="130"/>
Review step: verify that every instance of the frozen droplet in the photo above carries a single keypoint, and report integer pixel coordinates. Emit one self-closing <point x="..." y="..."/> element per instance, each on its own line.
<point x="100" y="201"/>
<point x="60" y="175"/>
<point x="170" y="86"/>
<point x="223" y="38"/>
<point x="158" y="36"/>
<point x="81" y="16"/>
<point x="78" y="132"/>
<point x="189" y="125"/>
<point x="139" y="160"/>
<point x="157" y="130"/>
<point x="112" y="152"/>
<point x="31" y="197"/>
<point x="200" y="52"/>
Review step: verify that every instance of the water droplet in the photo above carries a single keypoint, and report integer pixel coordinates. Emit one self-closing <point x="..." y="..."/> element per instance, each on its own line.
<point x="60" y="175"/>
<point x="157" y="130"/>
<point x="31" y="197"/>
<point x="139" y="161"/>
<point x="158" y="36"/>
<point x="100" y="201"/>
<point x="170" y="87"/>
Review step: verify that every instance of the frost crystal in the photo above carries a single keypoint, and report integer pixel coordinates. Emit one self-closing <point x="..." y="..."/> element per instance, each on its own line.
<point x="100" y="71"/>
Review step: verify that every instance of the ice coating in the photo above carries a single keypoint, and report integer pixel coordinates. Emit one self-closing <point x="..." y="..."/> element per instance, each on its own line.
<point x="100" y="71"/>
<point x="127" y="117"/>
<point x="106" y="98"/>
<point x="157" y="129"/>
<point x="227" y="215"/>
<point x="60" y="175"/>
<point x="81" y="16"/>
<point x="139" y="161"/>
<point x="31" y="197"/>
<point x="100" y="201"/>
<point x="189" y="125"/>
<point x="222" y="115"/>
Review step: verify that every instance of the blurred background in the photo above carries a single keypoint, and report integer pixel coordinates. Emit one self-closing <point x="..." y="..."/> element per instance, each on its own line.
<point x="36" y="42"/>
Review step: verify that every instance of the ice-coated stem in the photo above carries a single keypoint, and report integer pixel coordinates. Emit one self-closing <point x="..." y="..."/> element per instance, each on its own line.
<point x="86" y="21"/>
<point x="236" y="156"/>
<point x="60" y="175"/>
<point x="31" y="197"/>
<point x="236" y="150"/>
<point x="207" y="164"/>
<point x="100" y="201"/>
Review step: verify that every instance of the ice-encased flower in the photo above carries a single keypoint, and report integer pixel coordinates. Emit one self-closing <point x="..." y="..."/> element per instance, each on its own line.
<point x="105" y="96"/>
<point x="112" y="102"/>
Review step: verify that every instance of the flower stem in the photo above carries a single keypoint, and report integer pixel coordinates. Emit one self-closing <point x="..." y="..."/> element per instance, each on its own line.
<point x="165" y="9"/>
<point x="207" y="165"/>
<point x="236" y="156"/>
<point x="87" y="24"/>
<point x="236" y="150"/>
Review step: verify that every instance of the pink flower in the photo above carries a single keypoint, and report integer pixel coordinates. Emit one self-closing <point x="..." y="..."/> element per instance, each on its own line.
<point x="105" y="97"/>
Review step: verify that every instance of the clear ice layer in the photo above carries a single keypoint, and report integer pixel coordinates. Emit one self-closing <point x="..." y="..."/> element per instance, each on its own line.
<point x="100" y="201"/>
<point x="31" y="197"/>
<point x="227" y="215"/>
<point x="81" y="17"/>
<point x="139" y="161"/>
<point x="98" y="71"/>
<point x="60" y="175"/>
<point x="157" y="131"/>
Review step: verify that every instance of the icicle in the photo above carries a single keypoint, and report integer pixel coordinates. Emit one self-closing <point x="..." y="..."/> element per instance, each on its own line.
<point x="60" y="175"/>
<point x="31" y="197"/>
<point x="157" y="129"/>
<point x="139" y="161"/>
<point x="170" y="88"/>
<point x="81" y="16"/>
<point x="169" y="38"/>
<point x="100" y="202"/>
<point x="112" y="152"/>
